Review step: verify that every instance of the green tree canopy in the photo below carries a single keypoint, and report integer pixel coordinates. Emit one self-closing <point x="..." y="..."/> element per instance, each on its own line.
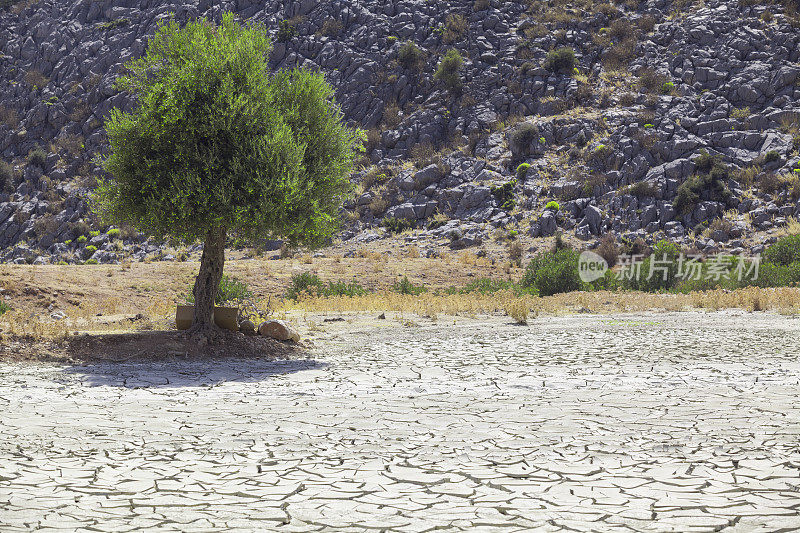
<point x="219" y="144"/>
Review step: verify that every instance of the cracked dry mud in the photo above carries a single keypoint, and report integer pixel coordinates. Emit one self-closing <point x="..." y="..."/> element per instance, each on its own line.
<point x="670" y="422"/>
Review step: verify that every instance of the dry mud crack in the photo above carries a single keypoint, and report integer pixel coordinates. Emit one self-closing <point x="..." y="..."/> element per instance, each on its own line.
<point x="662" y="422"/>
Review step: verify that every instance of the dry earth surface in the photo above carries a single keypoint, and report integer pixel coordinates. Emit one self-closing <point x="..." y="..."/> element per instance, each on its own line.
<point x="647" y="422"/>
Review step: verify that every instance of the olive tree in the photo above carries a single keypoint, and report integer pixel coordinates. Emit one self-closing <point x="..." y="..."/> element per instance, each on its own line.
<point x="217" y="144"/>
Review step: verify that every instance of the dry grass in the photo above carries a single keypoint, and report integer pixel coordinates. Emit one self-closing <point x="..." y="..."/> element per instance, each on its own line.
<point x="35" y="78"/>
<point x="783" y="300"/>
<point x="103" y="298"/>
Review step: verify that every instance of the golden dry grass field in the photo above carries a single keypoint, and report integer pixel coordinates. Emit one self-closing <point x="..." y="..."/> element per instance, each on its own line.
<point x="104" y="298"/>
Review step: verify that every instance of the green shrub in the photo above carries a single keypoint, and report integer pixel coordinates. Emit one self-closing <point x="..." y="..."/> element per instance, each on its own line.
<point x="504" y="194"/>
<point x="398" y="225"/>
<point x="708" y="184"/>
<point x="553" y="206"/>
<point x="91" y="249"/>
<point x="404" y="286"/>
<point x="522" y="171"/>
<point x="643" y="189"/>
<point x="784" y="252"/>
<point x="230" y="289"/>
<point x="561" y="60"/>
<point x="286" y="32"/>
<point x="94" y="233"/>
<point x="37" y="157"/>
<point x="776" y="275"/>
<point x="310" y="283"/>
<point x="553" y="272"/>
<point x="411" y="56"/>
<point x="488" y="286"/>
<point x="664" y="270"/>
<point x="4" y="307"/>
<point x="91" y="261"/>
<point x="82" y="239"/>
<point x="113" y="233"/>
<point x="448" y="73"/>
<point x="116" y="23"/>
<point x="667" y="87"/>
<point x="305" y="282"/>
<point x="771" y="156"/>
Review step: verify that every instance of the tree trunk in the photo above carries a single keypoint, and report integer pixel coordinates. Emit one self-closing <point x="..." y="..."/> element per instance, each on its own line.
<point x="207" y="283"/>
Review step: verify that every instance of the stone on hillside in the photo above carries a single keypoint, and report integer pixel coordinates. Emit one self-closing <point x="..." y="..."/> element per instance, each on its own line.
<point x="593" y="217"/>
<point x="547" y="224"/>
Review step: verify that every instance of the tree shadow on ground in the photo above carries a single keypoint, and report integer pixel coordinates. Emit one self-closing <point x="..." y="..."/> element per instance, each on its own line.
<point x="171" y="359"/>
<point x="187" y="372"/>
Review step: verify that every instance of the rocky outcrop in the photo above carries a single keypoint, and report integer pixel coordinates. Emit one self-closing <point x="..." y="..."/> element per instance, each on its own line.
<point x="720" y="77"/>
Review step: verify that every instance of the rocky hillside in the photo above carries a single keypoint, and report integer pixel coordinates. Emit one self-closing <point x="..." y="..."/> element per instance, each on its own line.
<point x="676" y="119"/>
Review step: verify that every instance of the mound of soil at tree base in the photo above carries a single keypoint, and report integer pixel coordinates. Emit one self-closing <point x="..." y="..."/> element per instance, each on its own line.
<point x="144" y="346"/>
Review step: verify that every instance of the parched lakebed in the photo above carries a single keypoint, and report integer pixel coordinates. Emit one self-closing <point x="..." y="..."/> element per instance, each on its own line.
<point x="651" y="422"/>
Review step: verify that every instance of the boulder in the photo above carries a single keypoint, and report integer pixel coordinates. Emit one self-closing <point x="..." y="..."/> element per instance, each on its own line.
<point x="593" y="218"/>
<point x="279" y="330"/>
<point x="547" y="224"/>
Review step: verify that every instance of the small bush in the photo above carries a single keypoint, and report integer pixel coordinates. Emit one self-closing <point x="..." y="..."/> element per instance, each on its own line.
<point x="664" y="271"/>
<point x="286" y="32"/>
<point x="230" y="289"/>
<point x="37" y="157"/>
<point x="646" y="23"/>
<point x="9" y="117"/>
<point x="635" y="247"/>
<point x="4" y="307"/>
<point x="35" y="79"/>
<point x="515" y="251"/>
<point x="504" y="194"/>
<point x="643" y="189"/>
<point x="620" y="30"/>
<point x="398" y="225"/>
<point x="455" y="28"/>
<point x="521" y="138"/>
<point x="331" y="27"/>
<point x="522" y="171"/>
<point x="91" y="249"/>
<point x="784" y="252"/>
<point x="411" y="56"/>
<point x="82" y="239"/>
<point x="651" y="81"/>
<point x="113" y="24"/>
<point x="448" y="73"/>
<point x="487" y="286"/>
<point x="114" y="233"/>
<point x="561" y="60"/>
<point x="553" y="272"/>
<point x="310" y="284"/>
<point x="553" y="206"/>
<point x="608" y="249"/>
<point x="771" y="157"/>
<point x="708" y="184"/>
<point x="404" y="286"/>
<point x="6" y="176"/>
<point x="667" y="87"/>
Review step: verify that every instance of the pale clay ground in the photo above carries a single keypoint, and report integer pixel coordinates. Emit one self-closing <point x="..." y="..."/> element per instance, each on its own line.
<point x="652" y="422"/>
